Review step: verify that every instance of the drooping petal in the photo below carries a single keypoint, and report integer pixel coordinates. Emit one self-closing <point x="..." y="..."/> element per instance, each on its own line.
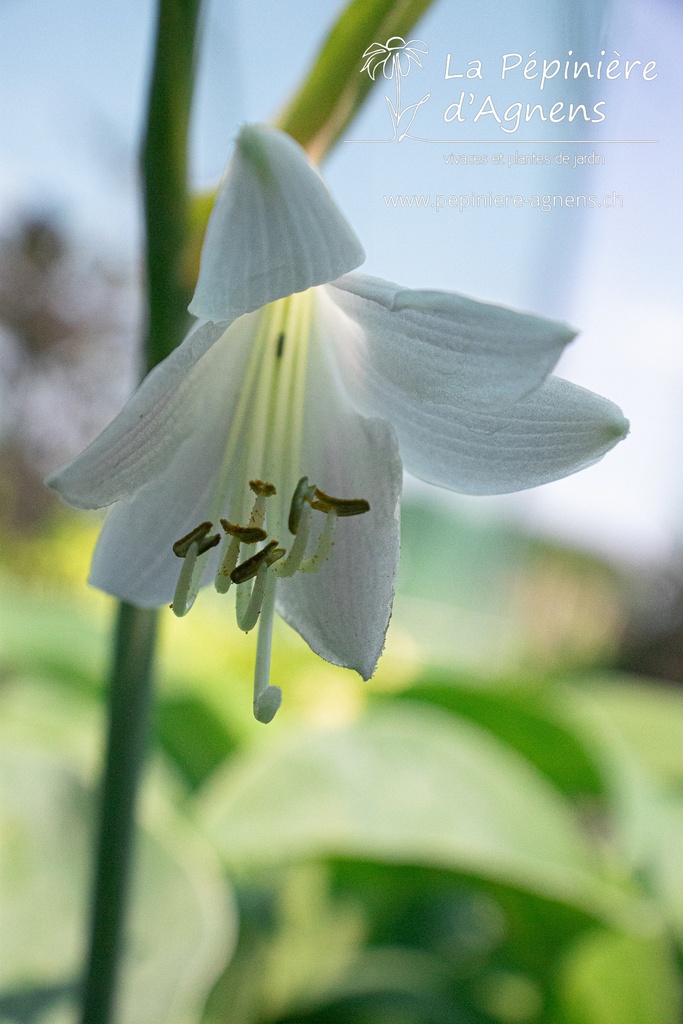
<point x="156" y="420"/>
<point x="274" y="229"/>
<point x="133" y="559"/>
<point x="557" y="430"/>
<point x="443" y="347"/>
<point x="343" y="610"/>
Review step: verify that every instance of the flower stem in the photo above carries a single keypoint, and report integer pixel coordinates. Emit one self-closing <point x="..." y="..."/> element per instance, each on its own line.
<point x="130" y="696"/>
<point x="164" y="163"/>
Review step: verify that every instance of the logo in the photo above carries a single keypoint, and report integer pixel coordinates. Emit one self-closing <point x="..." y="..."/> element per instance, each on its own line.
<point x="394" y="58"/>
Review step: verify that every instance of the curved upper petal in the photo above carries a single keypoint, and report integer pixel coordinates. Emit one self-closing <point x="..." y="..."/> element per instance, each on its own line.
<point x="556" y="430"/>
<point x="343" y="610"/>
<point x="274" y="229"/>
<point x="158" y="418"/>
<point x="444" y="347"/>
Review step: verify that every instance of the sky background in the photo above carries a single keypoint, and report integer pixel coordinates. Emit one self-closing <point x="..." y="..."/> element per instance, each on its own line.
<point x="73" y="80"/>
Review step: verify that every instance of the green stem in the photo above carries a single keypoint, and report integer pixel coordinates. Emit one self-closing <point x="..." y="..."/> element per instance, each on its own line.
<point x="164" y="161"/>
<point x="130" y="695"/>
<point x="164" y="164"/>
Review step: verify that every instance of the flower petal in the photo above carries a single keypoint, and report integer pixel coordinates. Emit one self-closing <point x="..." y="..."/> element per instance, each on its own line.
<point x="157" y="419"/>
<point x="443" y="347"/>
<point x="133" y="559"/>
<point x="274" y="229"/>
<point x="556" y="430"/>
<point x="343" y="610"/>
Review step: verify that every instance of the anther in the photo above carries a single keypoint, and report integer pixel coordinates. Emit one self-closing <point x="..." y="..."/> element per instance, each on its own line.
<point x="301" y="494"/>
<point x="261" y="489"/>
<point x="342" y="506"/>
<point x="198" y="535"/>
<point x="280" y="345"/>
<point x="248" y="569"/>
<point x="245" y="534"/>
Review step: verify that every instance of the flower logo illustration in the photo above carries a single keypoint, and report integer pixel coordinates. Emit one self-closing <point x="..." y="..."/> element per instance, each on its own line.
<point x="394" y="58"/>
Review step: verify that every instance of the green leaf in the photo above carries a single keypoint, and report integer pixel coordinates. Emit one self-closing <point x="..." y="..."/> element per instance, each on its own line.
<point x="526" y="719"/>
<point x="406" y="785"/>
<point x="52" y="633"/>
<point x="647" y="715"/>
<point x="182" y="922"/>
<point x="612" y="978"/>
<point x="192" y="736"/>
<point x="334" y="89"/>
<point x="636" y="732"/>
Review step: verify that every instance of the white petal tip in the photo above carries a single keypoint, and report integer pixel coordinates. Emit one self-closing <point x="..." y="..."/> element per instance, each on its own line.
<point x="64" y="482"/>
<point x="274" y="229"/>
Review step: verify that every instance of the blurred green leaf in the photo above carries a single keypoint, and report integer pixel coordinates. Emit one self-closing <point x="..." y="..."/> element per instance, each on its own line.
<point x="334" y="89"/>
<point x="635" y="729"/>
<point x="526" y="719"/>
<point x="611" y="978"/>
<point x="648" y="715"/>
<point x="406" y="785"/>
<point x="51" y="633"/>
<point x="480" y="597"/>
<point x="192" y="736"/>
<point x="182" y="922"/>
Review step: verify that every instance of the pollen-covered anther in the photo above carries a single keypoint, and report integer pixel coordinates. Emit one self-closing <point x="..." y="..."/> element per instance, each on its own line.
<point x="245" y="534"/>
<point x="262" y="489"/>
<point x="342" y="506"/>
<point x="199" y="536"/>
<point x="248" y="569"/>
<point x="302" y="493"/>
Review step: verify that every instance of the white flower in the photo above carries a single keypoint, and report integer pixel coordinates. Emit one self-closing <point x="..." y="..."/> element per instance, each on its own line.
<point x="300" y="375"/>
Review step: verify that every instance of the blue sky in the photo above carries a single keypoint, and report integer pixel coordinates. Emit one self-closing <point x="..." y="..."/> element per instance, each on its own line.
<point x="73" y="78"/>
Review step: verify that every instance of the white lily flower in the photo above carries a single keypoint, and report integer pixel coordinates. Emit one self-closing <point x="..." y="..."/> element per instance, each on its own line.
<point x="284" y="409"/>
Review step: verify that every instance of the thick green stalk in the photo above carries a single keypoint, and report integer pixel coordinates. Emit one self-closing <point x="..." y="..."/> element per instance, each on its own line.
<point x="164" y="161"/>
<point x="130" y="696"/>
<point x="164" y="165"/>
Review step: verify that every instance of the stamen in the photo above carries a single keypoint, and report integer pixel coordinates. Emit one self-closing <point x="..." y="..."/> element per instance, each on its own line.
<point x="185" y="593"/>
<point x="208" y="543"/>
<point x="249" y="605"/>
<point x="342" y="506"/>
<point x="259" y="488"/>
<point x="245" y="534"/>
<point x="182" y="546"/>
<point x="289" y="565"/>
<point x="267" y="698"/>
<point x="324" y="545"/>
<point x="302" y="493"/>
<point x="262" y="491"/>
<point x="248" y="569"/>
<point x="229" y="560"/>
<point x="189" y="548"/>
